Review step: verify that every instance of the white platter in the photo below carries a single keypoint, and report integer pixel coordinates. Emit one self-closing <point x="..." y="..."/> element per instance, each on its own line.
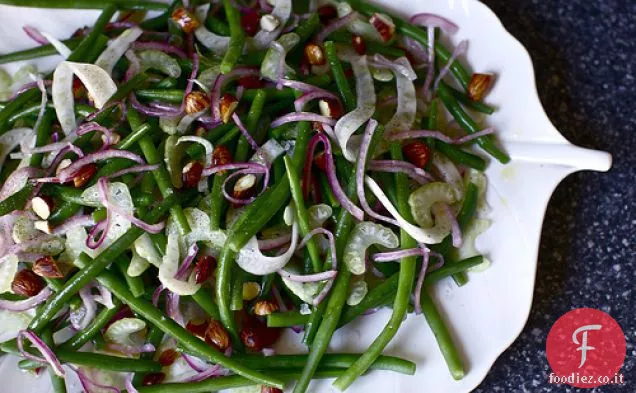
<point x="486" y="315"/>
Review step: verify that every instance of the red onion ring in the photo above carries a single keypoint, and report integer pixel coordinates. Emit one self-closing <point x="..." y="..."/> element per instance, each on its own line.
<point x="35" y="34"/>
<point x="245" y="132"/>
<point x="461" y="48"/>
<point x="182" y="272"/>
<point x="221" y="81"/>
<point x="394" y="166"/>
<point x="439" y="135"/>
<point x="272" y="244"/>
<point x="47" y="354"/>
<point x="456" y="231"/>
<point x="332" y="178"/>
<point x="335" y="25"/>
<point x="332" y="243"/>
<point x="433" y="20"/>
<point x="27" y="304"/>
<point x="162" y="46"/>
<point x="302" y="116"/>
<point x="313" y="95"/>
<point x="68" y="172"/>
<point x="134" y="169"/>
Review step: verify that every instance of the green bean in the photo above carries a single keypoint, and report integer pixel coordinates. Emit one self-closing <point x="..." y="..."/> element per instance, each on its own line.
<point x="78" y="340"/>
<point x="42" y="132"/>
<point x="223" y="292"/>
<point x="465" y="215"/>
<point x="236" y="302"/>
<point x="253" y="116"/>
<point x="348" y="98"/>
<point x="404" y="287"/>
<point x="340" y="360"/>
<point x="127" y="87"/>
<point x="477" y="106"/>
<point x="218" y="203"/>
<point x="272" y="93"/>
<point x="63" y="212"/>
<point x="161" y="175"/>
<point x="344" y="37"/>
<point x="417" y="34"/>
<point x="38" y="51"/>
<point x="174" y="96"/>
<point x="135" y="284"/>
<point x="467" y="123"/>
<point x="308" y="27"/>
<point x="83" y="51"/>
<point x="89" y="4"/>
<point x="16" y="201"/>
<point x="204" y="298"/>
<point x="191" y="343"/>
<point x="337" y="298"/>
<point x="15" y="105"/>
<point x="237" y="37"/>
<point x="301" y="213"/>
<point x="217" y="25"/>
<point x="222" y="383"/>
<point x="460" y="156"/>
<point x="101" y="361"/>
<point x="443" y="337"/>
<point x="286" y="319"/>
<point x="56" y="302"/>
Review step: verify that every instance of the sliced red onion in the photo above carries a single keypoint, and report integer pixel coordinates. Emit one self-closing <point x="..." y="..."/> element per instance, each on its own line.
<point x="87" y="382"/>
<point x="420" y="279"/>
<point x="456" y="232"/>
<point x="134" y="169"/>
<point x="150" y="111"/>
<point x="300" y="86"/>
<point x="27" y="304"/>
<point x="255" y="167"/>
<point x="75" y="221"/>
<point x="272" y="244"/>
<point x="100" y="228"/>
<point x="105" y="297"/>
<point x="291" y="26"/>
<point x="335" y="25"/>
<point x="211" y="372"/>
<point x="433" y="20"/>
<point x="131" y="350"/>
<point x="172" y="307"/>
<point x="35" y="34"/>
<point x="193" y="76"/>
<point x="29" y="86"/>
<point x="394" y="166"/>
<point x="219" y="85"/>
<point x="91" y="127"/>
<point x="67" y="173"/>
<point x="316" y="94"/>
<point x="128" y="383"/>
<point x="416" y="50"/>
<point x="135" y="65"/>
<point x="162" y="46"/>
<point x="156" y="294"/>
<point x="245" y="132"/>
<point x="151" y="228"/>
<point x="332" y="243"/>
<point x="323" y="294"/>
<point x="397" y="255"/>
<point x="265" y="6"/>
<point x="182" y="273"/>
<point x="461" y="48"/>
<point x="17" y="180"/>
<point x="322" y="276"/>
<point x="360" y="169"/>
<point x="426" y="88"/>
<point x="242" y="172"/>
<point x="195" y="363"/>
<point x="302" y="116"/>
<point x="89" y="307"/>
<point x="340" y="195"/>
<point x="47" y="354"/>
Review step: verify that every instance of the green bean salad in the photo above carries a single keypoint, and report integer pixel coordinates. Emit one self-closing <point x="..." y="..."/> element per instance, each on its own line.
<point x="194" y="178"/>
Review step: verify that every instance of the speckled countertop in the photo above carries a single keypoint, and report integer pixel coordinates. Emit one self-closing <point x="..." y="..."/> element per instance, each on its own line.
<point x="584" y="53"/>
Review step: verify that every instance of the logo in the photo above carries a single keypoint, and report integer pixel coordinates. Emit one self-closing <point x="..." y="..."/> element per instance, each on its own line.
<point x="585" y="348"/>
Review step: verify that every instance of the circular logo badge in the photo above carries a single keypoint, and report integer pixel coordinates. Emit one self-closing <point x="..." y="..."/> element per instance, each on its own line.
<point x="586" y="348"/>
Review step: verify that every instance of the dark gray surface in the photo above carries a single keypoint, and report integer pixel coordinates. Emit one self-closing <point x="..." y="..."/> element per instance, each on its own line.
<point x="584" y="52"/>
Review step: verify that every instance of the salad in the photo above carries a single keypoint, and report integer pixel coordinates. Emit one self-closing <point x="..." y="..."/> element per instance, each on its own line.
<point x="188" y="183"/>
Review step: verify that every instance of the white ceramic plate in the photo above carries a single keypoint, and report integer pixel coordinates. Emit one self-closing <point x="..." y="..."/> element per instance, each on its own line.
<point x="487" y="315"/>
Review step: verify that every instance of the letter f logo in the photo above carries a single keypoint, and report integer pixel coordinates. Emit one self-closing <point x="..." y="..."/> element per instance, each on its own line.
<point x="584" y="347"/>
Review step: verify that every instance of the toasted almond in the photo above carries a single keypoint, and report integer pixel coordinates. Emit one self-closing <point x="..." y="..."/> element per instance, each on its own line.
<point x="42" y="206"/>
<point x="383" y="25"/>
